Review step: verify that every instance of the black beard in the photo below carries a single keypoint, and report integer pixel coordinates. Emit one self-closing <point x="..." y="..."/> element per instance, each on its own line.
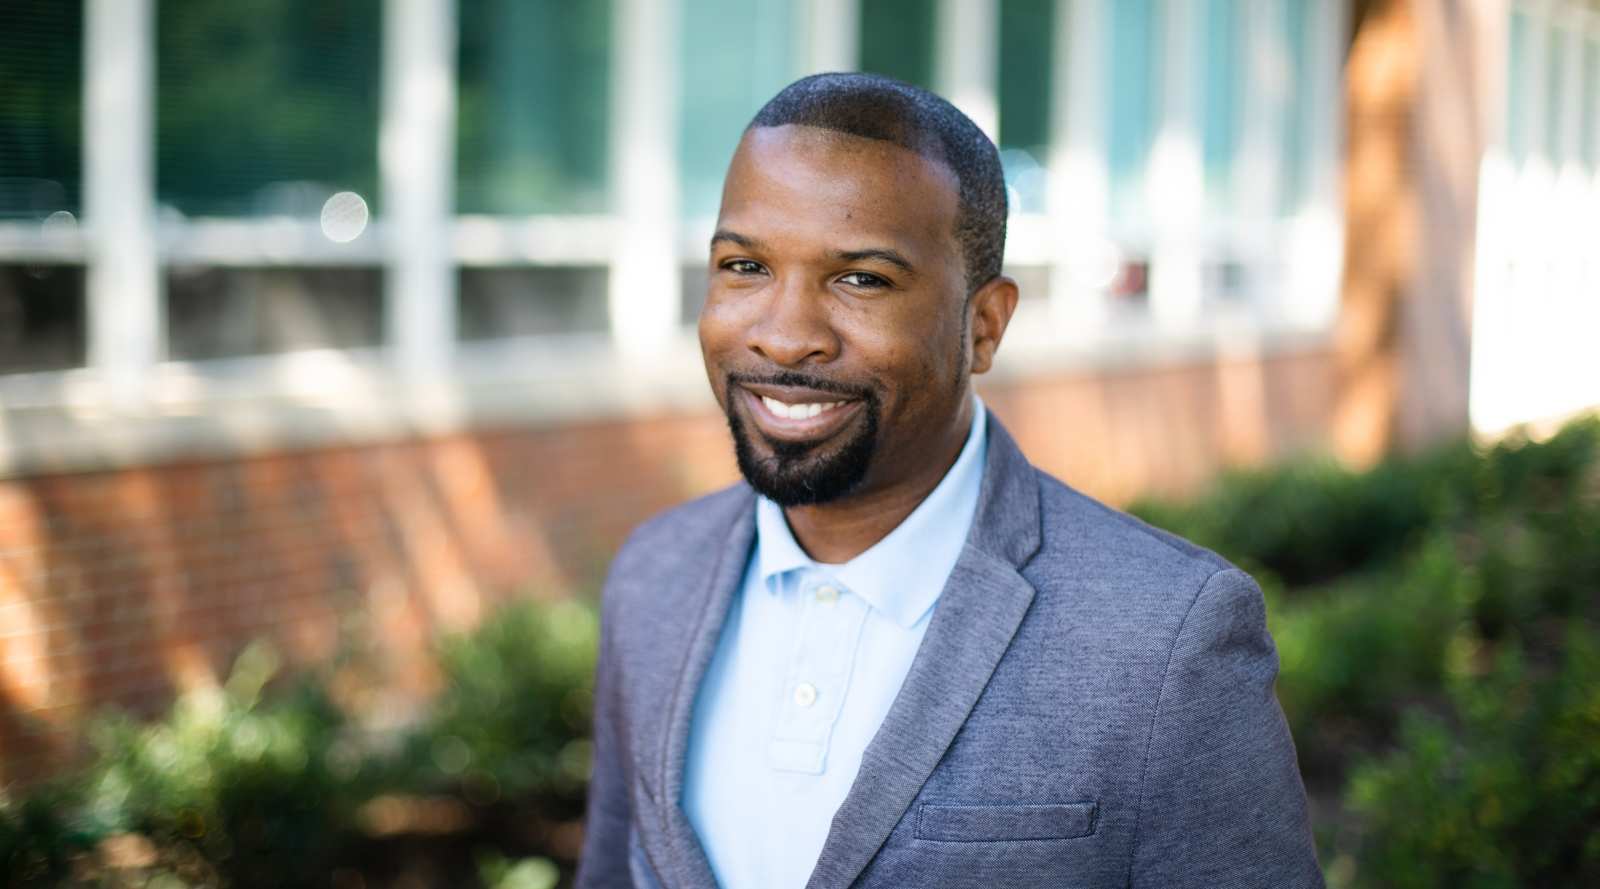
<point x="802" y="473"/>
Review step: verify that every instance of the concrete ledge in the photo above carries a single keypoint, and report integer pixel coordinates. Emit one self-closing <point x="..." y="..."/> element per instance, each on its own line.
<point x="54" y="423"/>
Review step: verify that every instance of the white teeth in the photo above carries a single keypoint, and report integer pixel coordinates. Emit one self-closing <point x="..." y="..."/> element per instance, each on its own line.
<point x="797" y="411"/>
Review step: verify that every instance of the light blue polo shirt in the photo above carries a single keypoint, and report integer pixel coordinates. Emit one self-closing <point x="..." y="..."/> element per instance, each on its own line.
<point x="807" y="666"/>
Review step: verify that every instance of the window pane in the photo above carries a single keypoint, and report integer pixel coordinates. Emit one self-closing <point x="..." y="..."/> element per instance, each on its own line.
<point x="897" y="39"/>
<point x="1554" y="85"/>
<point x="1297" y="113"/>
<point x="736" y="55"/>
<point x="530" y="301"/>
<point x="231" y="312"/>
<point x="1223" y="89"/>
<point x="1517" y="135"/>
<point x="1132" y="101"/>
<point x="531" y="134"/>
<point x="1591" y="105"/>
<point x="41" y="317"/>
<point x="264" y="104"/>
<point x="1026" y="27"/>
<point x="41" y="78"/>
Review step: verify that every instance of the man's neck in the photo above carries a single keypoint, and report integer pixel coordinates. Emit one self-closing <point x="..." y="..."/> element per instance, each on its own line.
<point x="834" y="533"/>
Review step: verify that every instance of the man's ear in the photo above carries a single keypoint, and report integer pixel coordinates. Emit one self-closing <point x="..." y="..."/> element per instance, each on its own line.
<point x="989" y="311"/>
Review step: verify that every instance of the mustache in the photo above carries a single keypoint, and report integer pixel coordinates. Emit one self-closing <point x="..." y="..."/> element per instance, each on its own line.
<point x="841" y="388"/>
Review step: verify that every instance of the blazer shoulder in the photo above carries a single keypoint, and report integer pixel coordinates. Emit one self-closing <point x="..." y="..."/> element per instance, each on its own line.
<point x="1081" y="520"/>
<point x="690" y="529"/>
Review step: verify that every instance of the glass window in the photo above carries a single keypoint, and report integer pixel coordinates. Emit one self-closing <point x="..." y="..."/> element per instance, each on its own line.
<point x="736" y="55"/>
<point x="1298" y="111"/>
<point x="1591" y="105"/>
<point x="261" y="105"/>
<point x="527" y="301"/>
<point x="1132" y="101"/>
<point x="1554" y="92"/>
<point x="532" y="113"/>
<point x="1517" y="141"/>
<point x="232" y="312"/>
<point x="1026" y="29"/>
<point x="1222" y="94"/>
<point x="897" y="39"/>
<point x="41" y="317"/>
<point x="41" y="79"/>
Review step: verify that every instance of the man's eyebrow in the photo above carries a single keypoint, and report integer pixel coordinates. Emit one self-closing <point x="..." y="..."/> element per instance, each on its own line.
<point x="747" y="243"/>
<point x="891" y="257"/>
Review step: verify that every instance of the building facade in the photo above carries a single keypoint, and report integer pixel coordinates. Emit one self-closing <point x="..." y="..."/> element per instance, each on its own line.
<point x="380" y="310"/>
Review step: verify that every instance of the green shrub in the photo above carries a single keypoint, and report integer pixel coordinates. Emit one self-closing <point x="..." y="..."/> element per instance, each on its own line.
<point x="230" y="789"/>
<point x="1354" y="655"/>
<point x="513" y="719"/>
<point x="1391" y="594"/>
<point x="1506" y="793"/>
<point x="39" y="841"/>
<point x="252" y="785"/>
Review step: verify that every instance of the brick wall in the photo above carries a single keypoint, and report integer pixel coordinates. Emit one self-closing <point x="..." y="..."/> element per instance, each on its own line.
<point x="122" y="587"/>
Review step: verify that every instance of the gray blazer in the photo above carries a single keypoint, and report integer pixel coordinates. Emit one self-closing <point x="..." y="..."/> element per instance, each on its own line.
<point x="1092" y="705"/>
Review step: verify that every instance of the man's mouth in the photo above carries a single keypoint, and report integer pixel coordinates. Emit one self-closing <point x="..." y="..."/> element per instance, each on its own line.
<point x="794" y="409"/>
<point x="801" y="411"/>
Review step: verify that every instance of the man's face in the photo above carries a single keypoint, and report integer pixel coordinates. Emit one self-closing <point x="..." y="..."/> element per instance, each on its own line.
<point x="835" y="326"/>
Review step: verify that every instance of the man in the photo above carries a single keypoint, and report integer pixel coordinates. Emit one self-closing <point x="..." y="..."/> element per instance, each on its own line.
<point x="898" y="655"/>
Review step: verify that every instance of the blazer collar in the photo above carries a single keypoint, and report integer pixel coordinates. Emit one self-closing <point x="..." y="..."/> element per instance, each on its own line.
<point x="978" y="614"/>
<point x="688" y="858"/>
<point x="982" y="606"/>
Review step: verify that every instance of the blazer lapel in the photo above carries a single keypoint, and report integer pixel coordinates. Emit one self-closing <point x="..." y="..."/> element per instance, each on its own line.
<point x="978" y="613"/>
<point x="689" y="860"/>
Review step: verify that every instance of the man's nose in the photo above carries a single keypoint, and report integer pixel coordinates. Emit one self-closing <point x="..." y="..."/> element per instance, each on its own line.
<point x="795" y="327"/>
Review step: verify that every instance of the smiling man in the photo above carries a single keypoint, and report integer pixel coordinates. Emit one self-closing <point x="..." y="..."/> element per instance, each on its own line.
<point x="897" y="655"/>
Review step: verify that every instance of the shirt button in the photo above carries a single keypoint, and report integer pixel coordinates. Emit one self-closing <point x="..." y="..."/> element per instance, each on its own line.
<point x="805" y="694"/>
<point x="827" y="595"/>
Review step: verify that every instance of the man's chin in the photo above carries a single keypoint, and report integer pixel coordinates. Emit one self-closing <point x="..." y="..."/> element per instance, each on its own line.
<point x="804" y="473"/>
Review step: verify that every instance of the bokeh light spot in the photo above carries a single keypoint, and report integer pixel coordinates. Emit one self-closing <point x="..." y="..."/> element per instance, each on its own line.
<point x="344" y="217"/>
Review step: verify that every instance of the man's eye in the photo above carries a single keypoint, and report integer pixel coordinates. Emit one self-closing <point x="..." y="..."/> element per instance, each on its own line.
<point x="864" y="279"/>
<point x="742" y="267"/>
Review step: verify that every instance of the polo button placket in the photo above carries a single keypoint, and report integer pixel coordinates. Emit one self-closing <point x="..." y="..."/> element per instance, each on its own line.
<point x="818" y="676"/>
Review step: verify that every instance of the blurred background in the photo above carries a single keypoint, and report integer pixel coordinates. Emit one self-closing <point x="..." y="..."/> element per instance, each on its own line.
<point x="343" y="341"/>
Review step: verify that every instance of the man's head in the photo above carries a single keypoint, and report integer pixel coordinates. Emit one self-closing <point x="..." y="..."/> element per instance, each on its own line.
<point x="883" y="109"/>
<point x="855" y="286"/>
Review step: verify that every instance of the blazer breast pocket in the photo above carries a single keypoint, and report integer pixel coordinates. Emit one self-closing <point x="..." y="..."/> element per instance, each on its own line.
<point x="1002" y="824"/>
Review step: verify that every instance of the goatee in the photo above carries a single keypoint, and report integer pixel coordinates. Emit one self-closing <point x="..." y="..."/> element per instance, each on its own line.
<point x="805" y="473"/>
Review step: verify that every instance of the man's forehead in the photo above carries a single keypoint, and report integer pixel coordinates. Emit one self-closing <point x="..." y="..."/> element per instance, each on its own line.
<point x="846" y="153"/>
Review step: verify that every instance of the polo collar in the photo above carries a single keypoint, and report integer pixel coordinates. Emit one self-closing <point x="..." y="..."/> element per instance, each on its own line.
<point x="903" y="574"/>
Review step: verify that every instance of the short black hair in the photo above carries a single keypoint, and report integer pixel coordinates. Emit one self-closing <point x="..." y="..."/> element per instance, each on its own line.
<point x="876" y="107"/>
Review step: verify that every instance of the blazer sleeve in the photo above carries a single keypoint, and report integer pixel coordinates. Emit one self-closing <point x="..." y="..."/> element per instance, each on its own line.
<point x="604" y="861"/>
<point x="1222" y="803"/>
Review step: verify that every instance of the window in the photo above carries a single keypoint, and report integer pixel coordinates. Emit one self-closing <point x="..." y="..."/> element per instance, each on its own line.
<point x="234" y="312"/>
<point x="41" y="317"/>
<point x="531" y="130"/>
<point x="1297" y="118"/>
<point x="269" y="109"/>
<point x="897" y="39"/>
<point x="259" y="102"/>
<point x="1131" y="100"/>
<point x="511" y="302"/>
<point x="1518" y="137"/>
<point x="1589" y="136"/>
<point x="1223" y="91"/>
<point x="1027" y="28"/>
<point x="736" y="54"/>
<point x="1026" y="32"/>
<point x="1555" y="86"/>
<point x="41" y="80"/>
